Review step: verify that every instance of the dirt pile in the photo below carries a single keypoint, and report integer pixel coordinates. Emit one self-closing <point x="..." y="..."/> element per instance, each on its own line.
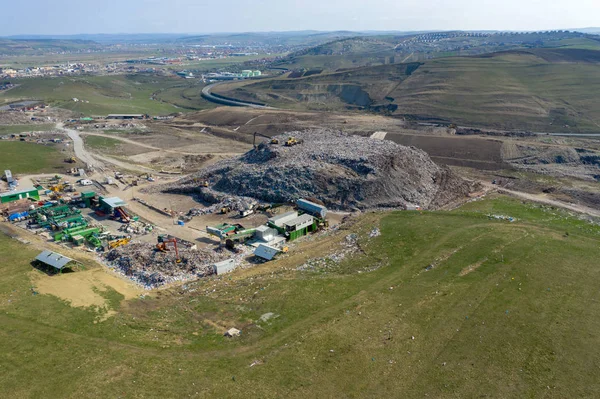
<point x="343" y="171"/>
<point x="145" y="265"/>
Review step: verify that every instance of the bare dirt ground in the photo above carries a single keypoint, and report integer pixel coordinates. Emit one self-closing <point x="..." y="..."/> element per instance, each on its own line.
<point x="84" y="288"/>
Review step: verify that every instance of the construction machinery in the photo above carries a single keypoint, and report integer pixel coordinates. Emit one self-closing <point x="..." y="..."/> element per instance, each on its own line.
<point x="162" y="246"/>
<point x="225" y="210"/>
<point x="271" y="140"/>
<point x="118" y="242"/>
<point x="70" y="160"/>
<point x="292" y="141"/>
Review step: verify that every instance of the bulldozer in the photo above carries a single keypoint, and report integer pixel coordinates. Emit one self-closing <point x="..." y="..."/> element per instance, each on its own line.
<point x="274" y="141"/>
<point x="292" y="141"/>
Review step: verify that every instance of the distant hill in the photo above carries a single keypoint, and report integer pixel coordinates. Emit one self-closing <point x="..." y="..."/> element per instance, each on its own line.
<point x="594" y="31"/>
<point x="539" y="89"/>
<point x="357" y="51"/>
<point x="42" y="46"/>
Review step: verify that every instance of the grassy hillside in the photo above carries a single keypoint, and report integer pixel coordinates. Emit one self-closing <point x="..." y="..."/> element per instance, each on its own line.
<point x="509" y="90"/>
<point x="442" y="304"/>
<point x="125" y="94"/>
<point x="362" y="87"/>
<point x="545" y="89"/>
<point x="23" y="157"/>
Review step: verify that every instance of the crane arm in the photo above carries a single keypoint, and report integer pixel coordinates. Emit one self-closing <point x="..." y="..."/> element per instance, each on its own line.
<point x="259" y="134"/>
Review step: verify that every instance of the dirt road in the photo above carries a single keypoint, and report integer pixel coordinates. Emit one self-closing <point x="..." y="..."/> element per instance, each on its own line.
<point x="98" y="162"/>
<point x="543" y="199"/>
<point x="129" y="141"/>
<point x="79" y="148"/>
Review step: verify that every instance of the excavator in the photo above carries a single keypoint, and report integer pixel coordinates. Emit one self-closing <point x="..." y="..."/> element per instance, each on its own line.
<point x="70" y="160"/>
<point x="271" y="139"/>
<point x="162" y="246"/>
<point x="118" y="242"/>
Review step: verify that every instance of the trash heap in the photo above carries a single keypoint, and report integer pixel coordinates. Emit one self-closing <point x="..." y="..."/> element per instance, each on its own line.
<point x="344" y="171"/>
<point x="234" y="204"/>
<point x="144" y="264"/>
<point x="137" y="228"/>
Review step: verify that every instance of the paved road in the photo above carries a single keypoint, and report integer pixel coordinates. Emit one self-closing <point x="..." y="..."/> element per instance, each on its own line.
<point x="207" y="95"/>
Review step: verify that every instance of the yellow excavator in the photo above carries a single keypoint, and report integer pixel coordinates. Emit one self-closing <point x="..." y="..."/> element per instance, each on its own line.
<point x="272" y="140"/>
<point x="117" y="243"/>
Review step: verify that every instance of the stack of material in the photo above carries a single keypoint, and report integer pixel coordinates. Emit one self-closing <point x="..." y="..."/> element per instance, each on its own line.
<point x="343" y="171"/>
<point x="235" y="204"/>
<point x="142" y="263"/>
<point x="137" y="228"/>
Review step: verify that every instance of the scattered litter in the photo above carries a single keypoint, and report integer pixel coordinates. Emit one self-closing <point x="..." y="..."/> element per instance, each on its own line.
<point x="501" y="217"/>
<point x="374" y="233"/>
<point x="268" y="316"/>
<point x="232" y="332"/>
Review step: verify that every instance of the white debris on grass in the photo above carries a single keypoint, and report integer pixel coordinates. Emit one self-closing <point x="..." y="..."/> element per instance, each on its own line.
<point x="348" y="247"/>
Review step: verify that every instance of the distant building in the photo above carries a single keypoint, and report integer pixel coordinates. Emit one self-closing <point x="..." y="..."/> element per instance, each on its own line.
<point x="126" y="116"/>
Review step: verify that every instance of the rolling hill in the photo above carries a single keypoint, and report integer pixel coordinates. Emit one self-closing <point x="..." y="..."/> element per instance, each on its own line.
<point x="540" y="89"/>
<point x="44" y="46"/>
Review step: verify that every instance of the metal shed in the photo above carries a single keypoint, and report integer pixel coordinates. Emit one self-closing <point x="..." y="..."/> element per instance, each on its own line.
<point x="266" y="252"/>
<point x="53" y="259"/>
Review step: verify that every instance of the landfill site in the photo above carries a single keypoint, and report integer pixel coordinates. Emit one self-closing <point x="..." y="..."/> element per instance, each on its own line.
<point x="162" y="228"/>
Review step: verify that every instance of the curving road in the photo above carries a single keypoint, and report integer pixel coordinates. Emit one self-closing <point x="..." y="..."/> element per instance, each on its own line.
<point x="207" y="95"/>
<point x="80" y="152"/>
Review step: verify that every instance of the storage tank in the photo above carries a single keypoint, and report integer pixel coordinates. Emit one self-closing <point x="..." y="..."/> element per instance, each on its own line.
<point x="312" y="208"/>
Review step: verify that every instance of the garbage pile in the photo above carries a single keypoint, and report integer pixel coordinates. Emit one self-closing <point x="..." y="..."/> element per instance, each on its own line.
<point x="137" y="228"/>
<point x="234" y="204"/>
<point x="151" y="268"/>
<point x="344" y="171"/>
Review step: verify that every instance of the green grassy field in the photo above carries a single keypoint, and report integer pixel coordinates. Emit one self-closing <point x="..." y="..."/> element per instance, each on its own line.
<point x="101" y="143"/>
<point x="13" y="129"/>
<point x="107" y="94"/>
<point x="442" y="304"/>
<point x="23" y="157"/>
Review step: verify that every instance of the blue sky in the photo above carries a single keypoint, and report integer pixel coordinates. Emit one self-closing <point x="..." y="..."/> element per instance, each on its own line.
<point x="200" y="16"/>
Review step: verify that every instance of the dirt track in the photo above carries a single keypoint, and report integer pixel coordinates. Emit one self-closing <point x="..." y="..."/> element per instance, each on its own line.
<point x="543" y="199"/>
<point x="79" y="148"/>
